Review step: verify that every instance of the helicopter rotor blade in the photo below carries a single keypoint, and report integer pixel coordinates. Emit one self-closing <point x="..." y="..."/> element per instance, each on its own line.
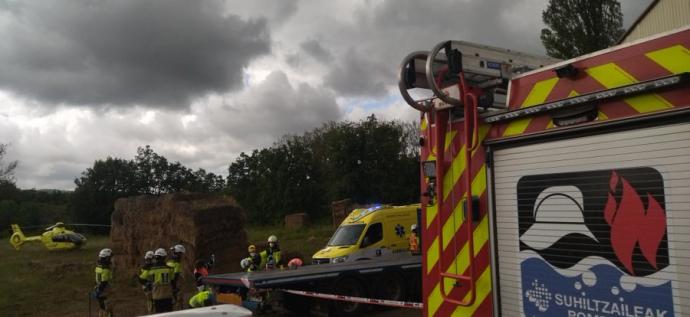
<point x="86" y="225"/>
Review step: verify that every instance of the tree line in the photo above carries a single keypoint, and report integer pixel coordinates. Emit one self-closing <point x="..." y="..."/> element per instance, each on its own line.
<point x="98" y="187"/>
<point x="369" y="161"/>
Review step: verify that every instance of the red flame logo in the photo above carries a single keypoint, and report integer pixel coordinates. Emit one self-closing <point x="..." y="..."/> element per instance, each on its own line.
<point x="631" y="224"/>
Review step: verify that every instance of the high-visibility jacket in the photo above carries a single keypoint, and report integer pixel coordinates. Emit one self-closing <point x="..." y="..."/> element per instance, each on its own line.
<point x="265" y="254"/>
<point x="160" y="277"/>
<point x="103" y="276"/>
<point x="414" y="243"/>
<point x="201" y="299"/>
<point x="176" y="266"/>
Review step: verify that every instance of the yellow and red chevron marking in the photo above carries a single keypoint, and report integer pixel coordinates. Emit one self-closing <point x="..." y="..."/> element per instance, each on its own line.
<point x="449" y="245"/>
<point x="643" y="61"/>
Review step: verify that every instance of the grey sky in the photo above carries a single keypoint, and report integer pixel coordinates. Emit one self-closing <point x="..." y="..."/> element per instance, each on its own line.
<point x="202" y="81"/>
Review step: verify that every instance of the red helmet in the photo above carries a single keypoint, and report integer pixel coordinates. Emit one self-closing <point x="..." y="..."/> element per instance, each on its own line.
<point x="295" y="263"/>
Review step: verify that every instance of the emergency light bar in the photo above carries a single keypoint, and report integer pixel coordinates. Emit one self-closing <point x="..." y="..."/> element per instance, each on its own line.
<point x="624" y="91"/>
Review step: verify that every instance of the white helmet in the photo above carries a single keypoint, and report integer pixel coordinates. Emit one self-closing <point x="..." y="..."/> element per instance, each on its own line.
<point x="178" y="248"/>
<point x="245" y="263"/>
<point x="148" y="255"/>
<point x="272" y="239"/>
<point x="105" y="253"/>
<point x="160" y="252"/>
<point x="413" y="227"/>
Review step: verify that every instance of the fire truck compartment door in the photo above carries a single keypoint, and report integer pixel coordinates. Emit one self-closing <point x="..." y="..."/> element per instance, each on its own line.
<point x="597" y="225"/>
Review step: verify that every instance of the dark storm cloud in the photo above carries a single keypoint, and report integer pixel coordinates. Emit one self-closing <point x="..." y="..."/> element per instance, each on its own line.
<point x="384" y="32"/>
<point x="273" y="108"/>
<point x="317" y="51"/>
<point x="154" y="53"/>
<point x="356" y="74"/>
<point x="367" y="51"/>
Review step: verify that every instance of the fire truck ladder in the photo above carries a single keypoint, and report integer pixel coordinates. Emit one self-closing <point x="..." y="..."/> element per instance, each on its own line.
<point x="468" y="76"/>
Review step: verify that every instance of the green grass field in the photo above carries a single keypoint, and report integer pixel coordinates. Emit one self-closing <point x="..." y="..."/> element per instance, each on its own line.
<point x="37" y="282"/>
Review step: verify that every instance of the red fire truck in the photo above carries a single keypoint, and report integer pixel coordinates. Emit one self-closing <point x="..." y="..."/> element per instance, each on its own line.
<point x="554" y="188"/>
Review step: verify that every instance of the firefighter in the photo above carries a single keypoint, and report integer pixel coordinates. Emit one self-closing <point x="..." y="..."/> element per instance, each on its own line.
<point x="202" y="299"/>
<point x="414" y="240"/>
<point x="177" y="251"/>
<point x="103" y="277"/>
<point x="160" y="277"/>
<point x="201" y="268"/>
<point x="148" y="263"/>
<point x="270" y="258"/>
<point x="252" y="261"/>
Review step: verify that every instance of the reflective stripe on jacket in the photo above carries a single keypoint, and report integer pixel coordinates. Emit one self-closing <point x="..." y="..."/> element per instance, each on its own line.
<point x="160" y="278"/>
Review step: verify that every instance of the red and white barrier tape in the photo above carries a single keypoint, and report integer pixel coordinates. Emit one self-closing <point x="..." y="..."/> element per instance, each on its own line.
<point x="373" y="301"/>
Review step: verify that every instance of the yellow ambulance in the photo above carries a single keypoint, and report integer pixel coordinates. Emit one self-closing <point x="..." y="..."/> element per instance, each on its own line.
<point x="380" y="231"/>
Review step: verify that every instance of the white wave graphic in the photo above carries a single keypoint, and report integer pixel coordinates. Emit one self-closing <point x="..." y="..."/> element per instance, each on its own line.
<point x="583" y="268"/>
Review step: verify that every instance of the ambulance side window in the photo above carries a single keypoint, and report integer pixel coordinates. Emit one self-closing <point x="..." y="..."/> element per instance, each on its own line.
<point x="374" y="234"/>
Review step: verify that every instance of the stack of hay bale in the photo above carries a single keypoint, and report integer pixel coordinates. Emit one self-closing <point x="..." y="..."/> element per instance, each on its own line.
<point x="202" y="223"/>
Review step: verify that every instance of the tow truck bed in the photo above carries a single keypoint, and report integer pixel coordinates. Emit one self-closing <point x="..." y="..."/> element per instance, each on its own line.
<point x="311" y="273"/>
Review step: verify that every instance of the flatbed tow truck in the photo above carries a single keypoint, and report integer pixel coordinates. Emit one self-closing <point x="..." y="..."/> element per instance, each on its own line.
<point x="394" y="282"/>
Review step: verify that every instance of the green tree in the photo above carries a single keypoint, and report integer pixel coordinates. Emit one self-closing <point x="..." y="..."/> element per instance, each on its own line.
<point x="578" y="27"/>
<point x="148" y="173"/>
<point x="370" y="161"/>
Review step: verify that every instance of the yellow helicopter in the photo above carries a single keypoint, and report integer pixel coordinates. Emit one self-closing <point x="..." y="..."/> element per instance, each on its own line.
<point x="55" y="237"/>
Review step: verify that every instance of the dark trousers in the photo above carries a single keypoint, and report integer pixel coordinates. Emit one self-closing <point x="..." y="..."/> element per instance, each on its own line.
<point x="163" y="305"/>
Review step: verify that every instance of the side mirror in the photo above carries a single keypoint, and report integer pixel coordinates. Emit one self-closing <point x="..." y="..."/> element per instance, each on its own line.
<point x="366" y="242"/>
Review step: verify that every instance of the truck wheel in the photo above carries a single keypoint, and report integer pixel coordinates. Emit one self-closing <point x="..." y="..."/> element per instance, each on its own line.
<point x="392" y="286"/>
<point x="348" y="287"/>
<point x="297" y="305"/>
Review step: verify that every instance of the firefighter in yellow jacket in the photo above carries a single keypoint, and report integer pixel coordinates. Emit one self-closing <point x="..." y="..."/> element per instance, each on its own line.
<point x="175" y="264"/>
<point x="160" y="277"/>
<point x="270" y="258"/>
<point x="202" y="299"/>
<point x="103" y="277"/>
<point x="148" y="263"/>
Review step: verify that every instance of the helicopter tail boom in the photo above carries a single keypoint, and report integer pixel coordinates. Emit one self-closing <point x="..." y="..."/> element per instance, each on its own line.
<point x="17" y="238"/>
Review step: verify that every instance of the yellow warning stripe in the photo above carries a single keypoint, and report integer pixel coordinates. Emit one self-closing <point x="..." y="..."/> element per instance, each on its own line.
<point x="461" y="261"/>
<point x="454" y="222"/>
<point x="676" y="59"/>
<point x="449" y="138"/>
<point x="431" y="212"/>
<point x="432" y="255"/>
<point x="479" y="234"/>
<point x="611" y="76"/>
<point x="435" y="301"/>
<point x="457" y="166"/>
<point x="536" y="96"/>
<point x="483" y="289"/>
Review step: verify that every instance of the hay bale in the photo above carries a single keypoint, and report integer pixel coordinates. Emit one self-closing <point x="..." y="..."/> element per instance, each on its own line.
<point x="340" y="210"/>
<point x="296" y="221"/>
<point x="203" y="223"/>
